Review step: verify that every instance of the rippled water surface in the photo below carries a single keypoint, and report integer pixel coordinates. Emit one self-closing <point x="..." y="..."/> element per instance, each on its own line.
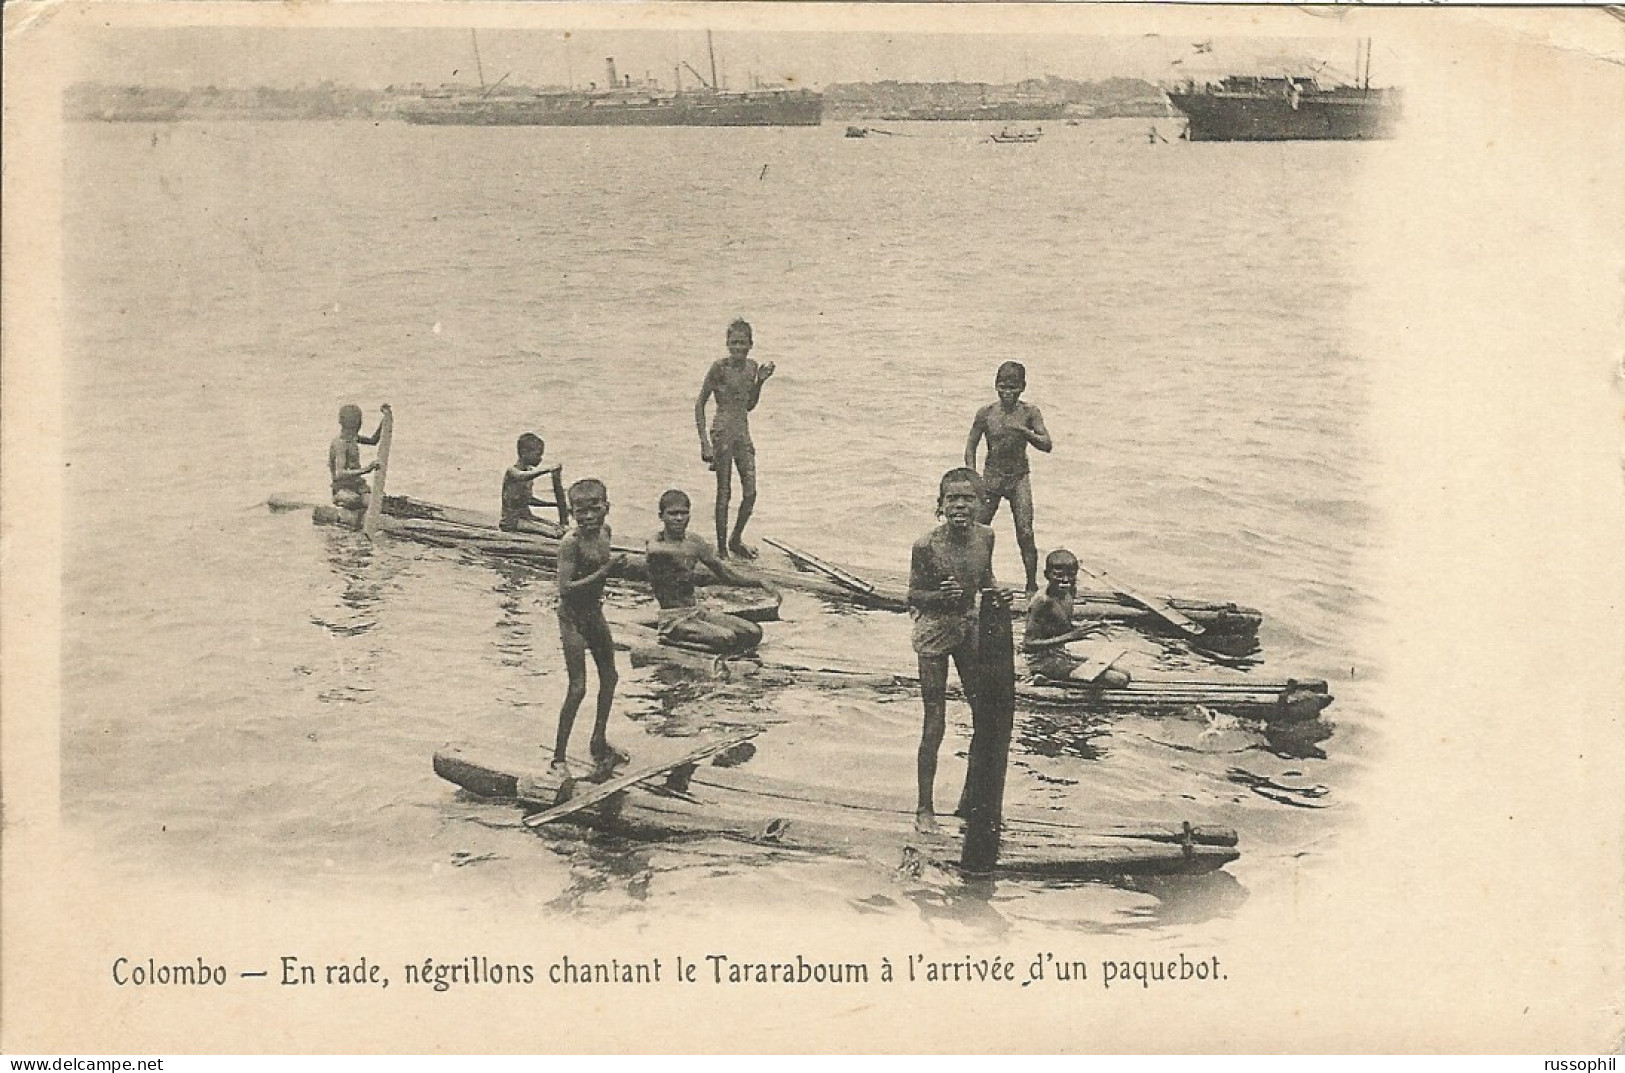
<point x="250" y="700"/>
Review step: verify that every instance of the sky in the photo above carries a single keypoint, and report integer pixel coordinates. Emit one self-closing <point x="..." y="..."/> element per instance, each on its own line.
<point x="244" y="56"/>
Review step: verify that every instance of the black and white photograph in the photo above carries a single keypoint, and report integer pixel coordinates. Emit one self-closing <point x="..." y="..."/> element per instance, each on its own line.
<point x="812" y="528"/>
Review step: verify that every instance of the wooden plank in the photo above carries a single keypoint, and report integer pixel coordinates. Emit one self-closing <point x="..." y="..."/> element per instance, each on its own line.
<point x="603" y="790"/>
<point x="1093" y="666"/>
<point x="375" y="501"/>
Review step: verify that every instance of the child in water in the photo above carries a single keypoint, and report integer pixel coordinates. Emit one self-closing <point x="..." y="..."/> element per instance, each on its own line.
<point x="518" y="495"/>
<point x="350" y="488"/>
<point x="671" y="555"/>
<point x="1009" y="426"/>
<point x="1049" y="624"/>
<point x="585" y="560"/>
<point x="948" y="567"/>
<point x="736" y="381"/>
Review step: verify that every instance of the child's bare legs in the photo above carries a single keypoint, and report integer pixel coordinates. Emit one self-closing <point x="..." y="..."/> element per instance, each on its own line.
<point x="745" y="460"/>
<point x="581" y="632"/>
<point x="575" y="665"/>
<point x="934" y="692"/>
<point x="723" y="463"/>
<point x="603" y="656"/>
<point x="1021" y="508"/>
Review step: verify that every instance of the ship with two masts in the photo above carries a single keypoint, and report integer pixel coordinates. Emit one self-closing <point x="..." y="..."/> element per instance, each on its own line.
<point x="1255" y="108"/>
<point x="623" y="102"/>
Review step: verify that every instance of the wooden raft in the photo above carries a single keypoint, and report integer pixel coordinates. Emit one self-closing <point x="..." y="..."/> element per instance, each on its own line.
<point x="713" y="802"/>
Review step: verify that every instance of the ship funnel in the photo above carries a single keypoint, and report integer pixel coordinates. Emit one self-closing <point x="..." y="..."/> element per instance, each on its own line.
<point x="609" y="65"/>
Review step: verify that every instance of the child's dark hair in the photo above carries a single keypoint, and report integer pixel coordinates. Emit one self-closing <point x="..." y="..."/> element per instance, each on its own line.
<point x="672" y="497"/>
<point x="1061" y="559"/>
<point x="587" y="484"/>
<point x="954" y="476"/>
<point x="350" y="411"/>
<point x="1015" y="369"/>
<point x="531" y="440"/>
<point x="740" y="327"/>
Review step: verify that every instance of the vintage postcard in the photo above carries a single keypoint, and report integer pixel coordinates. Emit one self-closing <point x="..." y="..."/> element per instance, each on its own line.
<point x="920" y="528"/>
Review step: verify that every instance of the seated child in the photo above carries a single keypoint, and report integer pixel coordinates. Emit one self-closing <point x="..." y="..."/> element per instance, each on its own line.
<point x="517" y="494"/>
<point x="1049" y="624"/>
<point x="672" y="554"/>
<point x="350" y="488"/>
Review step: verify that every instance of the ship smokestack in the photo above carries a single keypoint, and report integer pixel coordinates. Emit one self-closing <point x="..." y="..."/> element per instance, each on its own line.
<point x="609" y="65"/>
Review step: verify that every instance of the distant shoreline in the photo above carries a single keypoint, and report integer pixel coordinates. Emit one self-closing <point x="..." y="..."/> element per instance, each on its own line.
<point x="1050" y="98"/>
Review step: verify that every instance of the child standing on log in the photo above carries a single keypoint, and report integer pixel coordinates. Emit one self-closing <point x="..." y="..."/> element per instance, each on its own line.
<point x="736" y="381"/>
<point x="1010" y="425"/>
<point x="518" y="494"/>
<point x="671" y="555"/>
<point x="350" y="489"/>
<point x="585" y="560"/>
<point x="949" y="566"/>
<point x="1049" y="624"/>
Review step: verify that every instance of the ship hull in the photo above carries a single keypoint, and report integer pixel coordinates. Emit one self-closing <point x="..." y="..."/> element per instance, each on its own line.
<point x="1238" y="118"/>
<point x="804" y="110"/>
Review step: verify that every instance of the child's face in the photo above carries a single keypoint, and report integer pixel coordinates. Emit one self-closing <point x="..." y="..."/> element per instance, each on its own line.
<point x="349" y="422"/>
<point x="1009" y="389"/>
<point x="589" y="509"/>
<point x="1062" y="577"/>
<point x="959" y="503"/>
<point x="675" y="519"/>
<point x="738" y="344"/>
<point x="530" y="455"/>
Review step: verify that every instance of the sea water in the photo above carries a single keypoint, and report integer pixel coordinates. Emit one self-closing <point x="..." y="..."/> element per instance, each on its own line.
<point x="252" y="703"/>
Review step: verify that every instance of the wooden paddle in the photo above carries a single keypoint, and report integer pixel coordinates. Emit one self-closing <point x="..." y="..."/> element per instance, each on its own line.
<point x="1154" y="604"/>
<point x="599" y="791"/>
<point x="375" y="501"/>
<point x="841" y="577"/>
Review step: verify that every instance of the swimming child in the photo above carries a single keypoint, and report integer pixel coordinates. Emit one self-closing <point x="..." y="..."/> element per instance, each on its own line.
<point x="672" y="554"/>
<point x="1010" y="425"/>
<point x="350" y="488"/>
<point x="950" y="565"/>
<point x="1049" y="624"/>
<point x="585" y="560"/>
<point x="736" y="381"/>
<point x="518" y="495"/>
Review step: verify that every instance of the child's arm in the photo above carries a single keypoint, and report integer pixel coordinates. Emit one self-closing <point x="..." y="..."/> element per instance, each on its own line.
<point x="1036" y="433"/>
<point x="336" y="466"/>
<point x="926" y="590"/>
<point x="762" y="373"/>
<point x="372" y="441"/>
<point x="706" y="387"/>
<point x="720" y="568"/>
<point x="977" y="428"/>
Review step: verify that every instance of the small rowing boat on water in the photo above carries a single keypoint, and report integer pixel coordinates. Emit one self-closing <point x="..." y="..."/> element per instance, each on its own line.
<point x="1225" y="628"/>
<point x="1294" y="700"/>
<point x="724" y="802"/>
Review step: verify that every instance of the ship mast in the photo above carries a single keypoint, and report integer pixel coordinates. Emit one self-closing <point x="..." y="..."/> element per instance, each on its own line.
<point x="478" y="66"/>
<point x="713" y="53"/>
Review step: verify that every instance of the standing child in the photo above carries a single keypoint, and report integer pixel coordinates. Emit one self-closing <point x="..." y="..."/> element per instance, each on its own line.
<point x="1010" y="425"/>
<point x="949" y="566"/>
<point x="585" y="560"/>
<point x="736" y="381"/>
<point x="671" y="555"/>
<point x="350" y="489"/>
<point x="518" y="495"/>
